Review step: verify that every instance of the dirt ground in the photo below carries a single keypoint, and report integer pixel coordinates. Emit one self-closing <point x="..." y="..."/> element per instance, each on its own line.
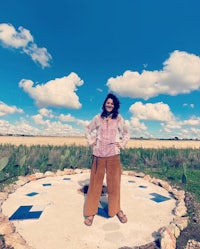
<point x="133" y="143"/>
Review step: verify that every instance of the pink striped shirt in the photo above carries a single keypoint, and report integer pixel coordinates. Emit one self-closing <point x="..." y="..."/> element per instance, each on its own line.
<point x="104" y="135"/>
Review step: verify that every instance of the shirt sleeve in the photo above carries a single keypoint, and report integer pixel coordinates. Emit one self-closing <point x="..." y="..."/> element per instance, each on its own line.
<point x="124" y="132"/>
<point x="91" y="130"/>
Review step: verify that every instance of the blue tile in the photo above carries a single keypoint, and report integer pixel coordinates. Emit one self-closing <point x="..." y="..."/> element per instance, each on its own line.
<point x="66" y="179"/>
<point x="103" y="207"/>
<point x="159" y="198"/>
<point x="142" y="186"/>
<point x="23" y="212"/>
<point x="46" y="184"/>
<point x="103" y="210"/>
<point x="32" y="194"/>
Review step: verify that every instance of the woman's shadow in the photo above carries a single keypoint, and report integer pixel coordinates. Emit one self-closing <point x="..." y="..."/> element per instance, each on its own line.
<point x="103" y="202"/>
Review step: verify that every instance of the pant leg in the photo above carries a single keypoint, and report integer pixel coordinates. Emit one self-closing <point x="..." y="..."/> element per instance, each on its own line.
<point x="95" y="186"/>
<point x="113" y="177"/>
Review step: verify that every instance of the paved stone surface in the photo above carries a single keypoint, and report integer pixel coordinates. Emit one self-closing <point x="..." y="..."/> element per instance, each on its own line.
<point x="60" y="225"/>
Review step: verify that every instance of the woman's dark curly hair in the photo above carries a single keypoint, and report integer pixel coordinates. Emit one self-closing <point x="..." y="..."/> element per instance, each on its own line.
<point x="115" y="110"/>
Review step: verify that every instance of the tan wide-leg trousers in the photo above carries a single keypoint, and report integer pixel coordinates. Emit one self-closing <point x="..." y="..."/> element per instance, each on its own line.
<point x="112" y="167"/>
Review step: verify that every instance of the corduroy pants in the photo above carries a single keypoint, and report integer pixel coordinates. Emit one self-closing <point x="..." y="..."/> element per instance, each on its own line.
<point x="112" y="168"/>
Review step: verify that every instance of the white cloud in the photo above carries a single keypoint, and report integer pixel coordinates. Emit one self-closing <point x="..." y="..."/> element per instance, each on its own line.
<point x="66" y="118"/>
<point x="193" y="121"/>
<point x="158" y="111"/>
<point x="55" y="128"/>
<point x="170" y="126"/>
<point x="46" y="113"/>
<point x="83" y="123"/>
<point x="23" y="127"/>
<point x="180" y="74"/>
<point x="58" y="93"/>
<point x="69" y="119"/>
<point x="39" y="55"/>
<point x="194" y="133"/>
<point x="60" y="129"/>
<point x="19" y="128"/>
<point x="40" y="128"/>
<point x="6" y="110"/>
<point x="165" y="124"/>
<point x="12" y="38"/>
<point x="4" y="127"/>
<point x="38" y="120"/>
<point x="137" y="128"/>
<point x="136" y="124"/>
<point x="60" y="126"/>
<point x="22" y="39"/>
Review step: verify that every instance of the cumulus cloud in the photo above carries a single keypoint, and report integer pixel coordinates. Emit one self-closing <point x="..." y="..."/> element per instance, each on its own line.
<point x="136" y="125"/>
<point x="170" y="126"/>
<point x="193" y="121"/>
<point x="4" y="126"/>
<point x="42" y="126"/>
<point x="50" y="124"/>
<point x="137" y="128"/>
<point x="67" y="118"/>
<point x="60" y="129"/>
<point x="38" y="119"/>
<point x="19" y="128"/>
<point x="10" y="37"/>
<point x="55" y="128"/>
<point x="6" y="110"/>
<point x="180" y="74"/>
<point x="24" y="127"/>
<point x="158" y="111"/>
<point x="57" y="93"/>
<point x="46" y="113"/>
<point x="39" y="55"/>
<point x="23" y="40"/>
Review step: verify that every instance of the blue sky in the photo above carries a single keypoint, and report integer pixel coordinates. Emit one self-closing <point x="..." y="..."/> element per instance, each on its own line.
<point x="59" y="60"/>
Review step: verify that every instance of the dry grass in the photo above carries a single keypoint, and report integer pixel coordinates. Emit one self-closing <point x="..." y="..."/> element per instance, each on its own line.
<point x="134" y="143"/>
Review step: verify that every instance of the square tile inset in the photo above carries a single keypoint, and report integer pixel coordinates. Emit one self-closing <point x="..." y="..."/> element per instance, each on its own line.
<point x="103" y="210"/>
<point x="32" y="194"/>
<point x="142" y="186"/>
<point x="103" y="207"/>
<point x="159" y="198"/>
<point x="47" y="184"/>
<point x="24" y="213"/>
<point x="131" y="181"/>
<point x="66" y="178"/>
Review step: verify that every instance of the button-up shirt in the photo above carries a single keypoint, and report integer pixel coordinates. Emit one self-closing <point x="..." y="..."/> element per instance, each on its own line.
<point x="104" y="135"/>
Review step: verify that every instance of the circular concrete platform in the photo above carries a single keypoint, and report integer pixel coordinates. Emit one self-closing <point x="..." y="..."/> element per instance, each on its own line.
<point x="52" y="214"/>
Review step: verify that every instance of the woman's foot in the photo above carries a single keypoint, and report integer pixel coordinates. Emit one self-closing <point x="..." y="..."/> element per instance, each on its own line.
<point x="122" y="217"/>
<point x="88" y="220"/>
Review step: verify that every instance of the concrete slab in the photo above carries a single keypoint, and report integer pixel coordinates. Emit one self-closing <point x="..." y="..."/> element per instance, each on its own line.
<point x="147" y="206"/>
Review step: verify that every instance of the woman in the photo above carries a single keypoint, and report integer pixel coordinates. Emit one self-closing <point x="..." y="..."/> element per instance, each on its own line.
<point x="103" y="133"/>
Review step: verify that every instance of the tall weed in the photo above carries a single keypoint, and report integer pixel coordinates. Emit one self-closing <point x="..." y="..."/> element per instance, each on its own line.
<point x="180" y="166"/>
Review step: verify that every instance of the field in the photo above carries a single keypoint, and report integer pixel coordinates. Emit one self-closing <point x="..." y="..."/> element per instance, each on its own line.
<point x="176" y="161"/>
<point x="133" y="143"/>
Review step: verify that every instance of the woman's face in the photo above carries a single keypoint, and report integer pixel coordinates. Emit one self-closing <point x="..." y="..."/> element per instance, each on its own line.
<point x="109" y="105"/>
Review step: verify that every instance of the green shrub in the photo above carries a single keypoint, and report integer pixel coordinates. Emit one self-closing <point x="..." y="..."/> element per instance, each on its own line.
<point x="169" y="164"/>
